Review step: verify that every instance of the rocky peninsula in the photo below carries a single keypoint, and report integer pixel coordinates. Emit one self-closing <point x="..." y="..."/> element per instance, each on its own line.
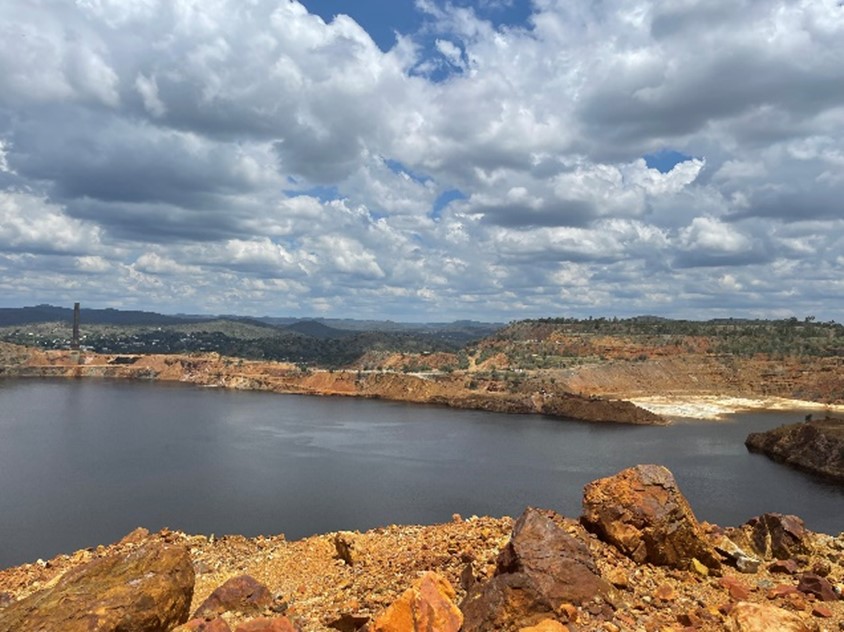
<point x="815" y="445"/>
<point x="636" y="559"/>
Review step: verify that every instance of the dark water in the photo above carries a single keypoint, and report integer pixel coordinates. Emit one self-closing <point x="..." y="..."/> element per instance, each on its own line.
<point x="85" y="462"/>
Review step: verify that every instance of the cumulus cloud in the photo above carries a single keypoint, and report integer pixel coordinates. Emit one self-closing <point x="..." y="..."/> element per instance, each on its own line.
<point x="225" y="156"/>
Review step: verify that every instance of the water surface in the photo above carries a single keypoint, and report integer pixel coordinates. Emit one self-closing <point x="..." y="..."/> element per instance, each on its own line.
<point x="84" y="462"/>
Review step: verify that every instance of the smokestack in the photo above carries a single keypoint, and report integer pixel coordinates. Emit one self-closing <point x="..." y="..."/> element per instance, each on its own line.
<point x="74" y="342"/>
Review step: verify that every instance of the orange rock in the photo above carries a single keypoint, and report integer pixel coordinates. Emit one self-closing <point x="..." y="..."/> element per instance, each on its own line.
<point x="752" y="617"/>
<point x="642" y="512"/>
<point x="277" y="624"/>
<point x="428" y="605"/>
<point x="666" y="592"/>
<point x="546" y="625"/>
<point x="737" y="590"/>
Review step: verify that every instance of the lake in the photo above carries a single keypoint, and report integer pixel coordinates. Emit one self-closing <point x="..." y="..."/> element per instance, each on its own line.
<point x="84" y="462"/>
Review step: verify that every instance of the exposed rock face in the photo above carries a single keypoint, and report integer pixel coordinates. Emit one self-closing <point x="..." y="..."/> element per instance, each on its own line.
<point x="241" y="594"/>
<point x="642" y="512"/>
<point x="540" y="569"/>
<point x="774" y="535"/>
<point x="427" y="605"/>
<point x="815" y="446"/>
<point x="753" y="617"/>
<point x="148" y="589"/>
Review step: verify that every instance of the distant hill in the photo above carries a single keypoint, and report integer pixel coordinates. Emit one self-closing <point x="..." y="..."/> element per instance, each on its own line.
<point x="11" y="316"/>
<point x="315" y="329"/>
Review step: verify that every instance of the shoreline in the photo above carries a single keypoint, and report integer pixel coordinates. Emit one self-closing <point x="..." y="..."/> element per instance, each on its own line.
<point x="718" y="407"/>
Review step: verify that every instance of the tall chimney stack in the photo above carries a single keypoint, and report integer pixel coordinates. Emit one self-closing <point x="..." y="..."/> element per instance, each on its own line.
<point x="74" y="342"/>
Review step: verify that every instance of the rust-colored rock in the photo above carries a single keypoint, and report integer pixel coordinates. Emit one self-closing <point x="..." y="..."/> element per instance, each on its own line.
<point x="811" y="584"/>
<point x="427" y="606"/>
<point x="276" y="624"/>
<point x="786" y="567"/>
<point x="540" y="569"/>
<point x="774" y="535"/>
<point x="240" y="594"/>
<point x="147" y="589"/>
<point x="560" y="565"/>
<point x="737" y="590"/>
<point x="642" y="513"/>
<point x="753" y="617"/>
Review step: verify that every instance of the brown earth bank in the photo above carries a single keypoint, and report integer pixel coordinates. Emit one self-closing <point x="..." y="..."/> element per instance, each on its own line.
<point x="637" y="559"/>
<point x="816" y="445"/>
<point x="457" y="390"/>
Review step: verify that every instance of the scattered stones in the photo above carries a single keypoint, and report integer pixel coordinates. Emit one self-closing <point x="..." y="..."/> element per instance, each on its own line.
<point x="642" y="512"/>
<point x="239" y="594"/>
<point x="753" y="617"/>
<point x="427" y="605"/>
<point x="148" y="588"/>
<point x="774" y="535"/>
<point x="811" y="584"/>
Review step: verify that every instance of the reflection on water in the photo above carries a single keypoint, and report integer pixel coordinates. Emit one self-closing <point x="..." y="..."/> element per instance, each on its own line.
<point x="84" y="462"/>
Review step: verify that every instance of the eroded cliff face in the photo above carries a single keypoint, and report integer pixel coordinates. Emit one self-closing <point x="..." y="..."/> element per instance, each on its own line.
<point x="816" y="446"/>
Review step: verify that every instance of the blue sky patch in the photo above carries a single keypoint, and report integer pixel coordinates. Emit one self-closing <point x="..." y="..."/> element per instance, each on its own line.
<point x="664" y="160"/>
<point x="444" y="199"/>
<point x="322" y="193"/>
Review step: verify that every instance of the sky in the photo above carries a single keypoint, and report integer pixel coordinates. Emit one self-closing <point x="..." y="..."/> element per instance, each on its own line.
<point x="424" y="160"/>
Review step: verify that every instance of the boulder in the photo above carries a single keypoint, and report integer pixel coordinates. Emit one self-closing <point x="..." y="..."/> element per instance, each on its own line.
<point x="641" y="512"/>
<point x="540" y="569"/>
<point x="754" y="617"/>
<point x="774" y="535"/>
<point x="811" y="584"/>
<point x="560" y="565"/>
<point x="242" y="594"/>
<point x="428" y="605"/>
<point x="147" y="589"/>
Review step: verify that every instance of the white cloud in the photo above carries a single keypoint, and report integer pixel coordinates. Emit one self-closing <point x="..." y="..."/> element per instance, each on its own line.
<point x="254" y="151"/>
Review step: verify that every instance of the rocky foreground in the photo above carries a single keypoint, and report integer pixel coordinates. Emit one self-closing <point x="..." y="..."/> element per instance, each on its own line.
<point x="637" y="559"/>
<point x="816" y="445"/>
